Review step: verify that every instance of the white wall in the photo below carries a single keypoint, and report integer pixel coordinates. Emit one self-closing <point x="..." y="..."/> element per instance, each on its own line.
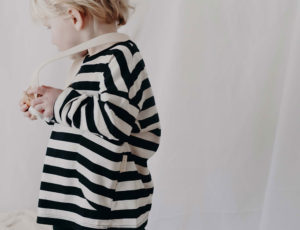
<point x="225" y="78"/>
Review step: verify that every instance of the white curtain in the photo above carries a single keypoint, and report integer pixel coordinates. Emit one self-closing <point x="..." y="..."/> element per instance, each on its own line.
<point x="226" y="79"/>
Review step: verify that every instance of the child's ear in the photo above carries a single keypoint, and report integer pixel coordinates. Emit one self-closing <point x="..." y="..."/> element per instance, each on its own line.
<point x="77" y="18"/>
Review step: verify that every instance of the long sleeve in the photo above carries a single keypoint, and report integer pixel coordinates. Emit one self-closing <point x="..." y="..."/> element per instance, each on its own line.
<point x="72" y="72"/>
<point x="51" y="121"/>
<point x="109" y="112"/>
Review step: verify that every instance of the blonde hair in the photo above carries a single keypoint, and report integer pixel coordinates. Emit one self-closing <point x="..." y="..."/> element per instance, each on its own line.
<point x="107" y="11"/>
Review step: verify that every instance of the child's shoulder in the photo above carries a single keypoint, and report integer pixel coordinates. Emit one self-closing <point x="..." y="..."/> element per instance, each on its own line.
<point x="120" y="50"/>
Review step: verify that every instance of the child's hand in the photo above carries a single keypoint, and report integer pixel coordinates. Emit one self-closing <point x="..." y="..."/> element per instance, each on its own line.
<point x="44" y="104"/>
<point x="25" y="103"/>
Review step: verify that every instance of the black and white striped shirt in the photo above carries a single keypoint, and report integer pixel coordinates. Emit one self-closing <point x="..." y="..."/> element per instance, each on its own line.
<point x="105" y="128"/>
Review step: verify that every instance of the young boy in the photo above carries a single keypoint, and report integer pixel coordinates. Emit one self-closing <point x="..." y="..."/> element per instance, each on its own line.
<point x="105" y="124"/>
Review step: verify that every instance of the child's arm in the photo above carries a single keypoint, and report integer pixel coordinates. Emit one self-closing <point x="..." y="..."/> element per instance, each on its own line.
<point x="110" y="113"/>
<point x="72" y="72"/>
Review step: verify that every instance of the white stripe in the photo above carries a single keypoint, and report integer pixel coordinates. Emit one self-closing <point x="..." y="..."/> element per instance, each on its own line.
<point x="73" y="217"/>
<point x="116" y="75"/>
<point x="120" y="102"/>
<point x="147" y="93"/>
<point x="62" y="97"/>
<point x="135" y="167"/>
<point x="135" y="60"/>
<point x="147" y="136"/>
<point x="130" y="204"/>
<point x="75" y="106"/>
<point x="95" y="157"/>
<point x="141" y="152"/>
<point x="147" y="113"/>
<point x="116" y="121"/>
<point x="88" y="93"/>
<point x="138" y="83"/>
<point x="65" y="198"/>
<point x="130" y="223"/>
<point x="101" y="59"/>
<point x="130" y="60"/>
<point x="95" y="77"/>
<point x="100" y="123"/>
<point x="89" y="175"/>
<point x="88" y="222"/>
<point x="88" y="154"/>
<point x="96" y="139"/>
<point x="129" y="185"/>
<point x="83" y="124"/>
<point x="121" y="186"/>
<point x="102" y="84"/>
<point x="88" y="194"/>
<point x="58" y="104"/>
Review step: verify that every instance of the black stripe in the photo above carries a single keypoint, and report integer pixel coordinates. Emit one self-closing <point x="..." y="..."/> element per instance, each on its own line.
<point x="72" y="173"/>
<point x="86" y="85"/>
<point x="149" y="121"/>
<point x="102" y="52"/>
<point x="136" y="72"/>
<point x="142" y="227"/>
<point x="138" y="160"/>
<point x="122" y="114"/>
<point x="135" y="128"/>
<point x="133" y="175"/>
<point x="142" y="143"/>
<point x="149" y="102"/>
<point x="130" y="213"/>
<point x="96" y="148"/>
<point x="117" y="93"/>
<point x="131" y="46"/>
<point x="156" y="132"/>
<point x="92" y="68"/>
<point x="133" y="195"/>
<point x="64" y="224"/>
<point x="73" y="94"/>
<point x="145" y="85"/>
<point x="90" y="119"/>
<point x="70" y="190"/>
<point x="111" y="127"/>
<point x="123" y="66"/>
<point x="103" y="212"/>
<point x="91" y="166"/>
<point x="98" y="169"/>
<point x="77" y="114"/>
<point x="67" y="190"/>
<point x="68" y="120"/>
<point x="51" y="122"/>
<point x="109" y="81"/>
<point x="97" y="188"/>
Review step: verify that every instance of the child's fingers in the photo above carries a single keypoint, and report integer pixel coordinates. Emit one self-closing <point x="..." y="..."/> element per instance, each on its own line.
<point x="37" y="101"/>
<point x="27" y="114"/>
<point x="24" y="108"/>
<point x="39" y="107"/>
<point x="37" y="90"/>
<point x="30" y="116"/>
<point x="22" y="101"/>
<point x="33" y="117"/>
<point x="31" y="90"/>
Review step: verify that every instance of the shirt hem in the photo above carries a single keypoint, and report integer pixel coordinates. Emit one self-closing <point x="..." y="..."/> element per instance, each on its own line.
<point x="61" y="222"/>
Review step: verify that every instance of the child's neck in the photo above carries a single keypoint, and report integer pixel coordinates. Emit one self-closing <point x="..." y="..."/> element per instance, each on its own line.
<point x="96" y="30"/>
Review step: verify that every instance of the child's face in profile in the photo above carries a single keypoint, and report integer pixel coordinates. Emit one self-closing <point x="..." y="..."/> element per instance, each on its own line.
<point x="63" y="33"/>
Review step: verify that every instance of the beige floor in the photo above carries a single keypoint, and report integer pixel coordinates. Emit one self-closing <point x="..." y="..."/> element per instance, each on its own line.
<point x="21" y="220"/>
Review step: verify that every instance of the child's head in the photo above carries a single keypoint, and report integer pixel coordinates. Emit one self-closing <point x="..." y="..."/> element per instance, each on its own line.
<point x="107" y="11"/>
<point x="73" y="21"/>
